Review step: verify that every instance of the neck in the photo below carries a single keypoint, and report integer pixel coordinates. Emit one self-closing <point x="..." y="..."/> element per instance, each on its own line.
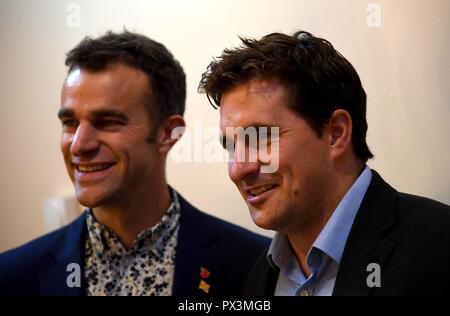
<point x="302" y="238"/>
<point x="142" y="211"/>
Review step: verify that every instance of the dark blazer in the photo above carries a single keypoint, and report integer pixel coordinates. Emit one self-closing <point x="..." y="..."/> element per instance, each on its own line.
<point x="225" y="250"/>
<point x="407" y="235"/>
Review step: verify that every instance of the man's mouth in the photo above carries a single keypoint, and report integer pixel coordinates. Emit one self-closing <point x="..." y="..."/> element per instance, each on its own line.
<point x="93" y="167"/>
<point x="261" y="189"/>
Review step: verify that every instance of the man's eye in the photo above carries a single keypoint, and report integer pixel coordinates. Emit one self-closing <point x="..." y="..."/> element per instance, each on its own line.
<point x="230" y="147"/>
<point x="69" y="123"/>
<point x="107" y="123"/>
<point x="228" y="144"/>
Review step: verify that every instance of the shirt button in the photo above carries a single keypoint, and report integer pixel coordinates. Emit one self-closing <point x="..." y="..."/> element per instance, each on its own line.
<point x="304" y="293"/>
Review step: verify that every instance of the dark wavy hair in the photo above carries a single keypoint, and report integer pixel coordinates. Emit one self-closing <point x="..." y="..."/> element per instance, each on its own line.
<point x="167" y="78"/>
<point x="319" y="79"/>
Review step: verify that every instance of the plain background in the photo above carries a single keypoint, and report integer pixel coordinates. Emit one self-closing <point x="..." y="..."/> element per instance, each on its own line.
<point x="403" y="64"/>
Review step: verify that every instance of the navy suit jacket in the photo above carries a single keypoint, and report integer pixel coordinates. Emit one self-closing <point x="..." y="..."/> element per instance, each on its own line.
<point x="225" y="250"/>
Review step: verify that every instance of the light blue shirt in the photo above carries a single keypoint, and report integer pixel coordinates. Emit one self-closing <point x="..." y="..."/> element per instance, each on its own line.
<point x="325" y="254"/>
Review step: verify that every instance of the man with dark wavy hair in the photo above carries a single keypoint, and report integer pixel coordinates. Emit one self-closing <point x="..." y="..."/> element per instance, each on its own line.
<point x="123" y="97"/>
<point x="341" y="229"/>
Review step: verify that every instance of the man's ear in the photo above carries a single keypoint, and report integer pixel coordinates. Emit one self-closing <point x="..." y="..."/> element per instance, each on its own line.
<point x="339" y="129"/>
<point x="169" y="132"/>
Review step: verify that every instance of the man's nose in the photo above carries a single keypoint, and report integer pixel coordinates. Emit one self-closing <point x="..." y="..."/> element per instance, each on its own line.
<point x="241" y="166"/>
<point x="84" y="140"/>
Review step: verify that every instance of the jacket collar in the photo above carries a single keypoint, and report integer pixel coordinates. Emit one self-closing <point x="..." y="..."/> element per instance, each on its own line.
<point x="366" y="243"/>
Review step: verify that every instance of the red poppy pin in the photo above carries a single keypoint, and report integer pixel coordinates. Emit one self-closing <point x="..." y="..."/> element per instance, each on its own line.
<point x="204" y="273"/>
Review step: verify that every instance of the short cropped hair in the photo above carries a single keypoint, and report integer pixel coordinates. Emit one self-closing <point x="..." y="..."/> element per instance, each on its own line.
<point x="167" y="78"/>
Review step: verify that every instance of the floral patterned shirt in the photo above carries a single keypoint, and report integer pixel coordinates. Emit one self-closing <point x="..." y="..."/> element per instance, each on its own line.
<point x="146" y="268"/>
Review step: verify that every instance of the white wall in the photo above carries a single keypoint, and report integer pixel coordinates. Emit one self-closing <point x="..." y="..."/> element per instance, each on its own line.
<point x="403" y="64"/>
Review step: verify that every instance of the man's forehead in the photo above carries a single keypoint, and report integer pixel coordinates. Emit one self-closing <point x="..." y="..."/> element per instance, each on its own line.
<point x="112" y="73"/>
<point x="73" y="77"/>
<point x="244" y="103"/>
<point x="256" y="87"/>
<point x="117" y="86"/>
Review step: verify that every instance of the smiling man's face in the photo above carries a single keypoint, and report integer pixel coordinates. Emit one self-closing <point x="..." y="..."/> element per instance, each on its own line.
<point x="105" y="131"/>
<point x="286" y="199"/>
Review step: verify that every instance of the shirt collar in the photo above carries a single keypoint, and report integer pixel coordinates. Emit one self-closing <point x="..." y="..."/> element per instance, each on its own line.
<point x="333" y="236"/>
<point x="152" y="239"/>
<point x="281" y="256"/>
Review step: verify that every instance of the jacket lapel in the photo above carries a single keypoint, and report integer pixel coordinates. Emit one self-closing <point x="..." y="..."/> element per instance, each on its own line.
<point x="196" y="263"/>
<point x="263" y="278"/>
<point x="366" y="244"/>
<point x="68" y="249"/>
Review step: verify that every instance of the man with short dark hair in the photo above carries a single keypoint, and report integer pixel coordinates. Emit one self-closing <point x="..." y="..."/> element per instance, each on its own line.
<point x="341" y="229"/>
<point x="123" y="97"/>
